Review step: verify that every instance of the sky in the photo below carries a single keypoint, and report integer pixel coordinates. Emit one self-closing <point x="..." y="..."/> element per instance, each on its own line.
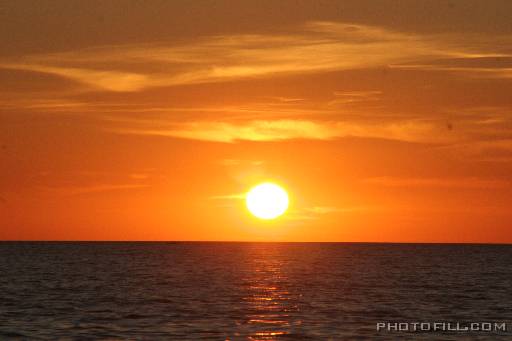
<point x="386" y="121"/>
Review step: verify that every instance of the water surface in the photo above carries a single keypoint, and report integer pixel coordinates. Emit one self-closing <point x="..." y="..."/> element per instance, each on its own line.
<point x="258" y="291"/>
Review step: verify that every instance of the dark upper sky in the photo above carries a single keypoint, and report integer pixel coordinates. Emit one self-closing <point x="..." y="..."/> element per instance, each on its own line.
<point x="37" y="27"/>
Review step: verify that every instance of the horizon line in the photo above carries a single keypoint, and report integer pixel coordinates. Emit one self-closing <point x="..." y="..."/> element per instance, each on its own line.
<point x="246" y="241"/>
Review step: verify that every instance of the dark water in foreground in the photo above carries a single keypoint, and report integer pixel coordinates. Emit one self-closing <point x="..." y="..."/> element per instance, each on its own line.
<point x="259" y="291"/>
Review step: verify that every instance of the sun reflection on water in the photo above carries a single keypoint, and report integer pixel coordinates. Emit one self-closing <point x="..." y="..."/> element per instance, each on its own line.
<point x="271" y="311"/>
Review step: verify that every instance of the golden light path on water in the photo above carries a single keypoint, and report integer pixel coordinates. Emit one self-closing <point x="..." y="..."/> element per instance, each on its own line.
<point x="270" y="307"/>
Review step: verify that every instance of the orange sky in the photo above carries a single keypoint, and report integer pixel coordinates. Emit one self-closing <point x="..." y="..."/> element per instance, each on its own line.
<point x="385" y="120"/>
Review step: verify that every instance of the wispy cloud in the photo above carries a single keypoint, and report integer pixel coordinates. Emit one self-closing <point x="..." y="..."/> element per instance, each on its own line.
<point x="275" y="130"/>
<point x="465" y="182"/>
<point x="238" y="162"/>
<point x="478" y="72"/>
<point x="490" y="150"/>
<point x="349" y="97"/>
<point x="95" y="188"/>
<point x="239" y="196"/>
<point x="498" y="65"/>
<point x="111" y="80"/>
<point x="314" y="47"/>
<point x="320" y="212"/>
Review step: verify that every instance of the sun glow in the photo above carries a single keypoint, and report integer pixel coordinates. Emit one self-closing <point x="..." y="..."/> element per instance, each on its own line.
<point x="267" y="201"/>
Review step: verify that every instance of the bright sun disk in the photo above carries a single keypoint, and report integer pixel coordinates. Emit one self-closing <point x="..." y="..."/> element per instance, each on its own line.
<point x="267" y="201"/>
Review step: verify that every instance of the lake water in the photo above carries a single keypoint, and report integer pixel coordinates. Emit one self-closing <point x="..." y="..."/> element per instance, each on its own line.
<point x="256" y="291"/>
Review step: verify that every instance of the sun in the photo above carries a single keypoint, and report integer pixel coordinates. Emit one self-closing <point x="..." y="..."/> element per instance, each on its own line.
<point x="267" y="201"/>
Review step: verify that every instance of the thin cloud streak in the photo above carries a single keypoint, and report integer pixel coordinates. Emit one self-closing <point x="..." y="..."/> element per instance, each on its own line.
<point x="77" y="190"/>
<point x="466" y="182"/>
<point x="319" y="212"/>
<point x="315" y="47"/>
<point x="276" y="130"/>
<point x="105" y="80"/>
<point x="476" y="72"/>
<point x="228" y="197"/>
